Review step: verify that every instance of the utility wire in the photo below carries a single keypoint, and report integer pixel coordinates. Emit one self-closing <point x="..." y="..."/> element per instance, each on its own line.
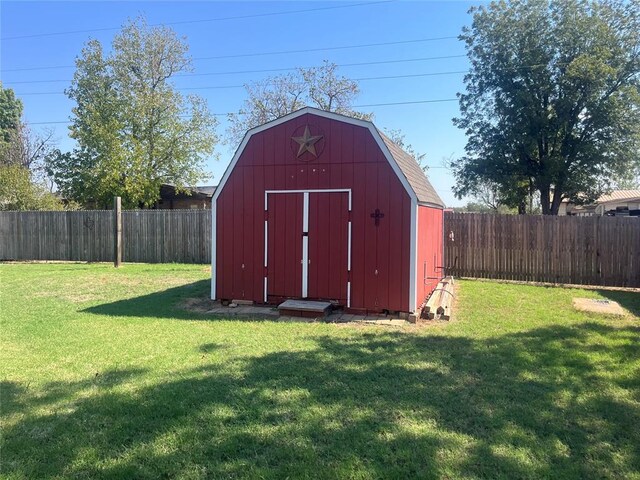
<point x="206" y="20"/>
<point x="218" y="87"/>
<point x="414" y="102"/>
<point x="282" y="52"/>
<point x="307" y="50"/>
<point x="270" y="70"/>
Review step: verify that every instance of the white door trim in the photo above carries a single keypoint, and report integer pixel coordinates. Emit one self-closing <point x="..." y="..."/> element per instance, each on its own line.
<point x="305" y="238"/>
<point x="313" y="190"/>
<point x="305" y="244"/>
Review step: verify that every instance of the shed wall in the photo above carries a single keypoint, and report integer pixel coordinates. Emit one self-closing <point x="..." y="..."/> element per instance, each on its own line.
<point x="430" y="251"/>
<point x="351" y="159"/>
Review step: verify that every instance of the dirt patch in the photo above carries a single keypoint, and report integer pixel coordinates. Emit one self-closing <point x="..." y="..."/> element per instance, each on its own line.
<point x="134" y="281"/>
<point x="605" y="307"/>
<point x="198" y="305"/>
<point x="81" y="298"/>
<point x="70" y="297"/>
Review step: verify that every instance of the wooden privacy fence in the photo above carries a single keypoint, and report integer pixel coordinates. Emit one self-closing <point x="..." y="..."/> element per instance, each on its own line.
<point x="167" y="236"/>
<point x="574" y="250"/>
<point x="84" y="236"/>
<point x="152" y="236"/>
<point x="579" y="250"/>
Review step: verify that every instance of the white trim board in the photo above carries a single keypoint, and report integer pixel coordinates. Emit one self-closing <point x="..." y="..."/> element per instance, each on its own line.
<point x="312" y="190"/>
<point x="305" y="245"/>
<point x="413" y="254"/>
<point x="213" y="250"/>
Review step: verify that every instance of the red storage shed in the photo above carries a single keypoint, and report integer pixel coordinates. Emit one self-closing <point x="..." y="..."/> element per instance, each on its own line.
<point x="322" y="206"/>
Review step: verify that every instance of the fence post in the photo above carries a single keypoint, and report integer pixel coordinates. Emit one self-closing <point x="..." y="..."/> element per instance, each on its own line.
<point x="117" y="232"/>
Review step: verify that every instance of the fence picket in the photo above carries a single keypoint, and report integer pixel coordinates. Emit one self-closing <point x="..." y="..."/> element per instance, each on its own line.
<point x="580" y="250"/>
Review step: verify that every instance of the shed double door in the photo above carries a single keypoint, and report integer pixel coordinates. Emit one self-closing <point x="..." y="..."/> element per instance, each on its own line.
<point x="307" y="252"/>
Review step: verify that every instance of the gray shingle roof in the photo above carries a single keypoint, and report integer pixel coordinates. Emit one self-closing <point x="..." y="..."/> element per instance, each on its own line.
<point x="206" y="189"/>
<point x="414" y="174"/>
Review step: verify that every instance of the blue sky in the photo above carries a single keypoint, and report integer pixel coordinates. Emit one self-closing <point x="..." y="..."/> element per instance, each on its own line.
<point x="427" y="126"/>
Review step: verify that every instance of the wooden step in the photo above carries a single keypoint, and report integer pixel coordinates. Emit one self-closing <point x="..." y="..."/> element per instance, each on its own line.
<point x="304" y="308"/>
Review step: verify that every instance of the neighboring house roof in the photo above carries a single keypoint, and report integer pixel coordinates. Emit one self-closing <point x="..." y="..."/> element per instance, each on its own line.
<point x="207" y="189"/>
<point x="619" y="195"/>
<point x="415" y="175"/>
<point x="614" y="196"/>
<point x="204" y="191"/>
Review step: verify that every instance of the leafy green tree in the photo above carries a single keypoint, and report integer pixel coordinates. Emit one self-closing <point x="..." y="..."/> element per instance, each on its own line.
<point x="552" y="101"/>
<point x="479" y="207"/>
<point x="134" y="130"/>
<point x="19" y="192"/>
<point x="22" y="153"/>
<point x="10" y="113"/>
<point x="321" y="87"/>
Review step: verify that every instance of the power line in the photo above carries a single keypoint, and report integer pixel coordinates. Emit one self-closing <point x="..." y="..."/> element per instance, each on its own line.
<point x="207" y="20"/>
<point x="359" y="79"/>
<point x="413" y="102"/>
<point x="69" y="121"/>
<point x="281" y="52"/>
<point x="412" y="75"/>
<point x="324" y="49"/>
<point x="271" y="70"/>
<point x="223" y="87"/>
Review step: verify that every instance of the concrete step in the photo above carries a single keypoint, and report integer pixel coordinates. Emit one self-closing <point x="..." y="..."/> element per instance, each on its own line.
<point x="304" y="308"/>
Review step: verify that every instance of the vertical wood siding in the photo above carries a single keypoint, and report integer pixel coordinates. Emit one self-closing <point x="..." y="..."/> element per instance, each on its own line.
<point x="429" y="269"/>
<point x="351" y="159"/>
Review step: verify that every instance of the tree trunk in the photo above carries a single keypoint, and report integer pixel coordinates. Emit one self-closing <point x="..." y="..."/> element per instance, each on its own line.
<point x="522" y="207"/>
<point x="544" y="200"/>
<point x="555" y="204"/>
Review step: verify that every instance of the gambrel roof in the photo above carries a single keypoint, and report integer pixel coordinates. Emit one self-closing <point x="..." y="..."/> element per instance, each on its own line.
<point x="404" y="165"/>
<point x="415" y="175"/>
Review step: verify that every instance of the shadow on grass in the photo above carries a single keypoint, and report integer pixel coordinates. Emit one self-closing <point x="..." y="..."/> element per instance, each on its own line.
<point x="537" y="404"/>
<point x="170" y="303"/>
<point x="162" y="304"/>
<point x="628" y="300"/>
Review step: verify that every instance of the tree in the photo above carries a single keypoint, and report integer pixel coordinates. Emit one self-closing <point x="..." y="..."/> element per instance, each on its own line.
<point x="628" y="180"/>
<point x="134" y="130"/>
<point x="552" y="102"/>
<point x="276" y="96"/>
<point x="29" y="149"/>
<point x="18" y="191"/>
<point x="22" y="154"/>
<point x="479" y="207"/>
<point x="10" y="114"/>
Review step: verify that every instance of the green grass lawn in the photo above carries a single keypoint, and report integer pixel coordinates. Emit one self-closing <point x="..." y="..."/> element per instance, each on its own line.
<point x="105" y="376"/>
